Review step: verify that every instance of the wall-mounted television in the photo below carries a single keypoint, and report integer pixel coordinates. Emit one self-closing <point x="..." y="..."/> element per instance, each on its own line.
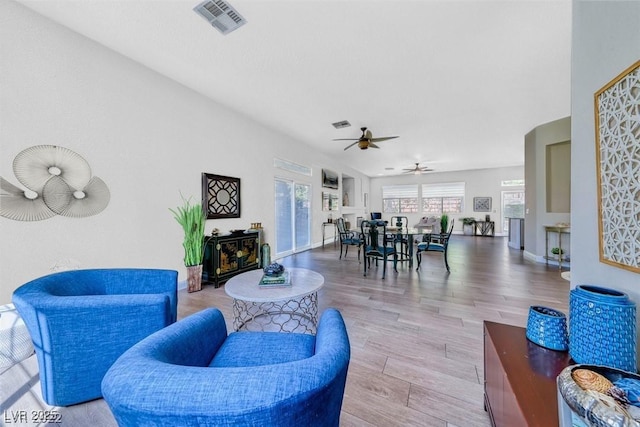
<point x="329" y="179"/>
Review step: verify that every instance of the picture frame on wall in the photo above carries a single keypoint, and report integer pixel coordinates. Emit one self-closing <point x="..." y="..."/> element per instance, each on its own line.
<point x="616" y="115"/>
<point x="482" y="204"/>
<point x="220" y="196"/>
<point x="329" y="179"/>
<point x="330" y="201"/>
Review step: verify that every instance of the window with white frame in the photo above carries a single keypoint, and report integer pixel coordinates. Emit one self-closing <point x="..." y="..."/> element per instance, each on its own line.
<point x="400" y="198"/>
<point x="446" y="197"/>
<point x="513" y="183"/>
<point x="291" y="167"/>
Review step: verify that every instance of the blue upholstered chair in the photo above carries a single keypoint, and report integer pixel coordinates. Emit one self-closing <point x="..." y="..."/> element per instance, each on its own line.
<point x="81" y="321"/>
<point x="438" y="242"/>
<point x="192" y="374"/>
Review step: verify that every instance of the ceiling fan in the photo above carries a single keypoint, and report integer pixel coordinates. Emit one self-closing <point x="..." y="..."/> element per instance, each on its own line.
<point x="417" y="170"/>
<point x="366" y="140"/>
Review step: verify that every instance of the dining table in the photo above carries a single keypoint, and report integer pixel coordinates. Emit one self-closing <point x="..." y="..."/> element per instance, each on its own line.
<point x="406" y="232"/>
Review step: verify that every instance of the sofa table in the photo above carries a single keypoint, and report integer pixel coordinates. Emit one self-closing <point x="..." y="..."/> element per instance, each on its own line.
<point x="520" y="378"/>
<point x="484" y="228"/>
<point x="334" y="226"/>
<point x="283" y="309"/>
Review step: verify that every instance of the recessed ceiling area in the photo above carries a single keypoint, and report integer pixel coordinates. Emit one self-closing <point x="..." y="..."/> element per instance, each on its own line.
<point x="460" y="82"/>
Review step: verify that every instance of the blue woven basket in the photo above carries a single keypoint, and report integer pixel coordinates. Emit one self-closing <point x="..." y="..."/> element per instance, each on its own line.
<point x="547" y="328"/>
<point x="602" y="327"/>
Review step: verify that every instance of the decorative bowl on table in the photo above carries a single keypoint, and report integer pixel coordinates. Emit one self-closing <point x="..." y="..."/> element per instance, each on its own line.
<point x="273" y="269"/>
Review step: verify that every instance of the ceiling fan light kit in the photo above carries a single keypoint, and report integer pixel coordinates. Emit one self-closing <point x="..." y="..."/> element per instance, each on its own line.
<point x="366" y="140"/>
<point x="417" y="170"/>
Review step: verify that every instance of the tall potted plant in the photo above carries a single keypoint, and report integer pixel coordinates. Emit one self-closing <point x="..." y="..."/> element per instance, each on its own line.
<point x="444" y="223"/>
<point x="191" y="217"/>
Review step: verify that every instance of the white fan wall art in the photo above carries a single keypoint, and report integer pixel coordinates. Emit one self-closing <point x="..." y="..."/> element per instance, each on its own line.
<point x="58" y="182"/>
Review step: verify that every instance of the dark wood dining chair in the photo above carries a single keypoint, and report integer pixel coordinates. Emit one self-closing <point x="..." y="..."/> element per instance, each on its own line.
<point x="401" y="223"/>
<point x="438" y="242"/>
<point x="347" y="238"/>
<point x="377" y="245"/>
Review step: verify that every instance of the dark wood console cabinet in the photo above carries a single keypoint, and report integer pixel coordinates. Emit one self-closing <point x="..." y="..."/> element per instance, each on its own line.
<point x="230" y="254"/>
<point x="520" y="378"/>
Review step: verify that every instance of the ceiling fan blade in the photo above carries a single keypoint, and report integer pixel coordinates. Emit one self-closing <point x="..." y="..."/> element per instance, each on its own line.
<point x="346" y="139"/>
<point x="372" y="145"/>
<point x="384" y="138"/>
<point x="368" y="135"/>
<point x="350" y="145"/>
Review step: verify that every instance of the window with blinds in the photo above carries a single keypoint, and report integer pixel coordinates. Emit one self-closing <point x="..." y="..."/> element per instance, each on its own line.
<point x="400" y="198"/>
<point x="446" y="197"/>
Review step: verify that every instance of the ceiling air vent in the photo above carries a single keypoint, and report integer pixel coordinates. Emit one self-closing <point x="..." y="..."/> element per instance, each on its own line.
<point x="221" y="15"/>
<point x="341" y="124"/>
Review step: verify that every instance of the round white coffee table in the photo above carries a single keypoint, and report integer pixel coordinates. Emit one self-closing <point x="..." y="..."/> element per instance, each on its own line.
<point x="283" y="309"/>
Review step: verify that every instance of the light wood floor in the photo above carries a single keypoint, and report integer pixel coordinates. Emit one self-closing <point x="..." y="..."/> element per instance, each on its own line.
<point x="416" y="337"/>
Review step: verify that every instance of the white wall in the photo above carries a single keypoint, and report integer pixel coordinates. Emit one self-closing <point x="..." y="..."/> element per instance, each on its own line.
<point x="536" y="215"/>
<point x="478" y="183"/>
<point x="606" y="40"/>
<point x="146" y="136"/>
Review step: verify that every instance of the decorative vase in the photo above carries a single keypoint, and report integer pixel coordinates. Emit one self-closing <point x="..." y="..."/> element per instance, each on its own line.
<point x="602" y="327"/>
<point x="547" y="328"/>
<point x="266" y="255"/>
<point x="194" y="278"/>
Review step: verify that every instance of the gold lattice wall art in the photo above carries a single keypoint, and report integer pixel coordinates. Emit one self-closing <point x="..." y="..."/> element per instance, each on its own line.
<point x="617" y="118"/>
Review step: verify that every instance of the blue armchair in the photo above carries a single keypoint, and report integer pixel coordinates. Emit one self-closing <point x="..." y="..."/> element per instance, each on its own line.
<point x="192" y="374"/>
<point x="81" y="321"/>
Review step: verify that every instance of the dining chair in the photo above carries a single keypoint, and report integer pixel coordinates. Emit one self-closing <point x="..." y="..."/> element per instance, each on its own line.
<point x="438" y="242"/>
<point x="377" y="245"/>
<point x="347" y="238"/>
<point x="401" y="223"/>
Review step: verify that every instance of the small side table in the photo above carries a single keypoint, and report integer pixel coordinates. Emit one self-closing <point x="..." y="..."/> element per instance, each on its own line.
<point x="15" y="341"/>
<point x="283" y="309"/>
<point x="559" y="230"/>
<point x="335" y="232"/>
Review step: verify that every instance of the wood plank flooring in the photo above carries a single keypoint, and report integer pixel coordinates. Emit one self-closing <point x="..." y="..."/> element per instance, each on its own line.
<point x="416" y="337"/>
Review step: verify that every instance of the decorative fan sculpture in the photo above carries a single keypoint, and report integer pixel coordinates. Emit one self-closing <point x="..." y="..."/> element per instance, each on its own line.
<point x="34" y="166"/>
<point x="92" y="199"/>
<point x="58" y="181"/>
<point x="22" y="205"/>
